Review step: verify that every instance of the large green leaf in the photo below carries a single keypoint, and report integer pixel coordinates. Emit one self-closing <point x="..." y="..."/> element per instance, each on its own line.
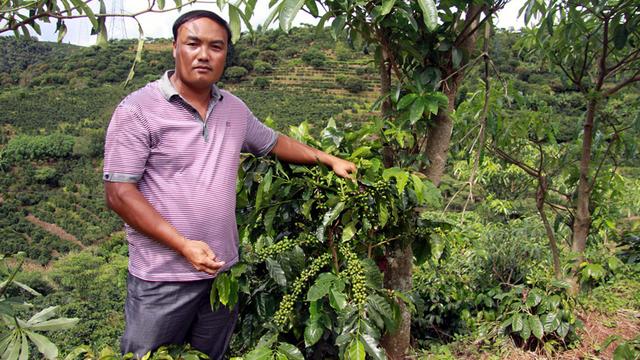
<point x="563" y="329"/>
<point x="24" y="348"/>
<point x="386" y="7"/>
<point x="338" y="25"/>
<point x="416" y="110"/>
<point x="372" y="348"/>
<point x="276" y="272"/>
<point x="313" y="7"/>
<point x="534" y="297"/>
<point x="289" y="10"/>
<point x="13" y="350"/>
<point x="312" y="333"/>
<point x="329" y="217"/>
<point x="259" y="353"/>
<point x="44" y="314"/>
<point x="401" y="176"/>
<point x="429" y="13"/>
<point x="383" y="214"/>
<point x="517" y="322"/>
<point x="349" y="231"/>
<point x="406" y="100"/>
<point x="55" y="324"/>
<point x="525" y="333"/>
<point x="44" y="345"/>
<point x="324" y="282"/>
<point x="536" y="326"/>
<point x="355" y="351"/>
<point x="292" y="352"/>
<point x="337" y="299"/>
<point x="222" y="284"/>
<point x="269" y="217"/>
<point x="550" y="322"/>
<point x="234" y="23"/>
<point x="77" y="351"/>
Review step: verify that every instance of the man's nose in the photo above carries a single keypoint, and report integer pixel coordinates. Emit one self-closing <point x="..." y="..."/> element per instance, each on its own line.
<point x="203" y="55"/>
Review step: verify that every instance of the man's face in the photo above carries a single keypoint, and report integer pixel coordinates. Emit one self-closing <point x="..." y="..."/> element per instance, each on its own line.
<point x="199" y="52"/>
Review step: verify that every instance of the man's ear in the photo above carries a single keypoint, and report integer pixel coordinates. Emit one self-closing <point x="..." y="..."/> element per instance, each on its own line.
<point x="173" y="52"/>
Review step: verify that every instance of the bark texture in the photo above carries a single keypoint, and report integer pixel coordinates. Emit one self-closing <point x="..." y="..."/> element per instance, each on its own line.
<point x="439" y="136"/>
<point x="399" y="277"/>
<point x="582" y="221"/>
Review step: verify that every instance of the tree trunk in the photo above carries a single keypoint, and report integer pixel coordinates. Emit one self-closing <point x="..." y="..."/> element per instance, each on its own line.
<point x="582" y="221"/>
<point x="399" y="277"/>
<point x="439" y="138"/>
<point x="540" y="197"/>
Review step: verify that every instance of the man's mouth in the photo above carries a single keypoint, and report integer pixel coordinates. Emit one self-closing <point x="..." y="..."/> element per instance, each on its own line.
<point x="202" y="68"/>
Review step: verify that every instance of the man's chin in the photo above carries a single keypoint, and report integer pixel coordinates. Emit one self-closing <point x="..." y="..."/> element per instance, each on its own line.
<point x="202" y="82"/>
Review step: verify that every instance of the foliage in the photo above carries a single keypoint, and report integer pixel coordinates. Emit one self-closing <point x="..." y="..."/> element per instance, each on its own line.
<point x="353" y="84"/>
<point x="17" y="335"/>
<point x="540" y="318"/>
<point x="316" y="282"/>
<point x="261" y="83"/>
<point x="25" y="147"/>
<point x="235" y="73"/>
<point x="314" y="57"/>
<point x="262" y="67"/>
<point x="170" y="352"/>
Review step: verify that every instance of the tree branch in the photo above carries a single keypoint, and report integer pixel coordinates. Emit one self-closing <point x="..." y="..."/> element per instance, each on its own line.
<point x="506" y="157"/>
<point x="610" y="91"/>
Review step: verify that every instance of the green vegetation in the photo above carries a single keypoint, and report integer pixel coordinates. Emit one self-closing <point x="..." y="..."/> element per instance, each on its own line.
<point x="317" y="251"/>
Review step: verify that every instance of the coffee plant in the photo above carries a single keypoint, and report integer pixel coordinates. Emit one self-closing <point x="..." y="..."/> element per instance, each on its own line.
<point x="311" y="283"/>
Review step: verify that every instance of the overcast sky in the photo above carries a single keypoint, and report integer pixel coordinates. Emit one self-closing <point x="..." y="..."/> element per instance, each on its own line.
<point x="158" y="25"/>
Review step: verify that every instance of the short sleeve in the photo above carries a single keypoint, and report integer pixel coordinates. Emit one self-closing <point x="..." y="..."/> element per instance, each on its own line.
<point x="259" y="139"/>
<point x="126" y="148"/>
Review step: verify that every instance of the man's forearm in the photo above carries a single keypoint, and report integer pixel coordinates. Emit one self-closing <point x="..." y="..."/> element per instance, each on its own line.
<point x="295" y="152"/>
<point x="292" y="151"/>
<point x="135" y="210"/>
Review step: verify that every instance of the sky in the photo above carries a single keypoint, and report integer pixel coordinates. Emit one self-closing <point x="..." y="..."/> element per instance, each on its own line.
<point x="158" y="25"/>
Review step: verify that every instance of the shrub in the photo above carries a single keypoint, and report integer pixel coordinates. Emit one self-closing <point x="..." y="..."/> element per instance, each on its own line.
<point x="351" y="83"/>
<point x="314" y="57"/>
<point x="269" y="56"/>
<point x="290" y="52"/>
<point x="343" y="53"/>
<point x="262" y="67"/>
<point x="235" y="73"/>
<point x="262" y="83"/>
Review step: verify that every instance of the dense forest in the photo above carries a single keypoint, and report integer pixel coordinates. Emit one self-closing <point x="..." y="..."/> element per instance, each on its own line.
<point x="486" y="283"/>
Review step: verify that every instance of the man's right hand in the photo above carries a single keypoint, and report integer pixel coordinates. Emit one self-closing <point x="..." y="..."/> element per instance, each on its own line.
<point x="200" y="255"/>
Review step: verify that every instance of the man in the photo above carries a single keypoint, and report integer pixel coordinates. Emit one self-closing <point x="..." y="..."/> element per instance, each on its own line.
<point x="171" y="159"/>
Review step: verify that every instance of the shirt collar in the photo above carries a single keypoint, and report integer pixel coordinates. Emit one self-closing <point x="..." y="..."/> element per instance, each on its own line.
<point x="169" y="91"/>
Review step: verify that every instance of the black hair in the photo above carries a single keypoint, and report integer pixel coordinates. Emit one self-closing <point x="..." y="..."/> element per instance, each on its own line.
<point x="197" y="14"/>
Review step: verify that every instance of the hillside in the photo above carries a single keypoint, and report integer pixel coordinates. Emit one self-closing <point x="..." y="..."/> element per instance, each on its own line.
<point x="489" y="245"/>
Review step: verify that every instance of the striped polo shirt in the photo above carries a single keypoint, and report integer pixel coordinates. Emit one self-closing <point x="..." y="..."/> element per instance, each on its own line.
<point x="185" y="167"/>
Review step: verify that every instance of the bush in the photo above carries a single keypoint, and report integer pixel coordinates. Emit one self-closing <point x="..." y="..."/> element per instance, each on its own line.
<point x="262" y="83"/>
<point x="39" y="147"/>
<point x="262" y="67"/>
<point x="314" y="57"/>
<point x="269" y="56"/>
<point x="343" y="53"/>
<point x="351" y="83"/>
<point x="290" y="52"/>
<point x="235" y="73"/>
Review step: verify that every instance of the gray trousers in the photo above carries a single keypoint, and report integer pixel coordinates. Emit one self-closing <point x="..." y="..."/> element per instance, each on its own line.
<point x="163" y="313"/>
